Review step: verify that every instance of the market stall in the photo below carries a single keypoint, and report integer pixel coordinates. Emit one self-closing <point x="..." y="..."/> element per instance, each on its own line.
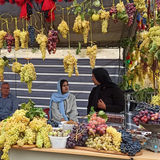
<point x="38" y="138"/>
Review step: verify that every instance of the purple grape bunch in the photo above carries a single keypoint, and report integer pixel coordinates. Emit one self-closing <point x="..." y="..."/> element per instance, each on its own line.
<point x="128" y="145"/>
<point x="113" y="13"/>
<point x="78" y="136"/>
<point x="131" y="10"/>
<point x="31" y="31"/>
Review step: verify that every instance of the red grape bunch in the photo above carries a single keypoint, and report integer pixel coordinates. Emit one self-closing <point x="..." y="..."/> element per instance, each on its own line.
<point x="52" y="41"/>
<point x="113" y="14"/>
<point x="9" y="40"/>
<point x="131" y="10"/>
<point x="97" y="125"/>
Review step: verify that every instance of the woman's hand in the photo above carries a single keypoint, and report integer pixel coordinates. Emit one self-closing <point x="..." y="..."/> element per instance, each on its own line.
<point x="62" y="119"/>
<point x="101" y="104"/>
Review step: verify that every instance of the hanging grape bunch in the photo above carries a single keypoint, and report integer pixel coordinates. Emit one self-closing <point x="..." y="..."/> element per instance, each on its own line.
<point x="29" y="10"/>
<point x="24" y="38"/>
<point x="92" y="52"/>
<point x="2" y="65"/>
<point x="113" y="13"/>
<point x="104" y="16"/>
<point x="140" y="5"/>
<point x="63" y="28"/>
<point x="17" y="39"/>
<point x="52" y="41"/>
<point x="28" y="75"/>
<point x="42" y="41"/>
<point x="82" y="27"/>
<point x="10" y="40"/>
<point x="70" y="62"/>
<point x="16" y="67"/>
<point x="121" y="12"/>
<point x="78" y="136"/>
<point x="2" y="37"/>
<point x="131" y="10"/>
<point x="31" y="31"/>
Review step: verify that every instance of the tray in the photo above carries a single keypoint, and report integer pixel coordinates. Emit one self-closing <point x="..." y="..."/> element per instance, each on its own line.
<point x="103" y="151"/>
<point x="25" y="146"/>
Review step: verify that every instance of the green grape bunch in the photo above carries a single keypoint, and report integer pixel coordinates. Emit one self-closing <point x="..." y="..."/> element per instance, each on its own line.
<point x="28" y="75"/>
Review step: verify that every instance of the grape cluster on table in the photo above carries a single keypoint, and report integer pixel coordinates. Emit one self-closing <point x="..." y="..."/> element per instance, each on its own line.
<point x="78" y="136"/>
<point x="146" y="113"/>
<point x="52" y="123"/>
<point x="128" y="145"/>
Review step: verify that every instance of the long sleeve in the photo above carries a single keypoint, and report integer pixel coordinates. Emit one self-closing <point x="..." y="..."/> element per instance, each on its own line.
<point x="91" y="101"/>
<point x="14" y="104"/>
<point x="8" y="106"/>
<point x="56" y="116"/>
<point x="115" y="102"/>
<point x="73" y="113"/>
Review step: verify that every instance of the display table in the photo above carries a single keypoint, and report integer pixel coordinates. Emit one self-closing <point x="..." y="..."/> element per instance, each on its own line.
<point x="73" y="154"/>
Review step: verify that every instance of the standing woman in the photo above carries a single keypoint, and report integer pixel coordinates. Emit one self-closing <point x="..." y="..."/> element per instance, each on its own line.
<point x="63" y="105"/>
<point x="106" y="95"/>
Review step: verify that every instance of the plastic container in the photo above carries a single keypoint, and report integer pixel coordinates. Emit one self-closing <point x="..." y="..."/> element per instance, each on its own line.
<point x="58" y="142"/>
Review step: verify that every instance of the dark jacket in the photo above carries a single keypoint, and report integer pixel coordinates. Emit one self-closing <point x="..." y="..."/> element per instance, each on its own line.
<point x="112" y="96"/>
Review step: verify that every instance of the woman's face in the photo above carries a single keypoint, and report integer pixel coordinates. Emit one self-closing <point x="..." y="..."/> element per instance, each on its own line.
<point x="65" y="87"/>
<point x="94" y="80"/>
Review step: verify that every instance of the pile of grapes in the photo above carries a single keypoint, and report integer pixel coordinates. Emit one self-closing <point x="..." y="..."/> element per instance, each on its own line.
<point x="78" y="136"/>
<point x="110" y="141"/>
<point x="97" y="125"/>
<point x="147" y="113"/>
<point x="128" y="145"/>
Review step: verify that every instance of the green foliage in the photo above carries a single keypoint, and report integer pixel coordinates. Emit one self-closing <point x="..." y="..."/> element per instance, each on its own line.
<point x="122" y="16"/>
<point x="35" y="112"/>
<point x="34" y="50"/>
<point x="27" y="106"/>
<point x="79" y="48"/>
<point x="124" y="85"/>
<point x="143" y="95"/>
<point x="101" y="114"/>
<point x="32" y="111"/>
<point x="92" y="111"/>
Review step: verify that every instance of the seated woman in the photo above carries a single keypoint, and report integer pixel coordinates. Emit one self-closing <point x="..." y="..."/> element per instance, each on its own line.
<point x="106" y="95"/>
<point x="63" y="105"/>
